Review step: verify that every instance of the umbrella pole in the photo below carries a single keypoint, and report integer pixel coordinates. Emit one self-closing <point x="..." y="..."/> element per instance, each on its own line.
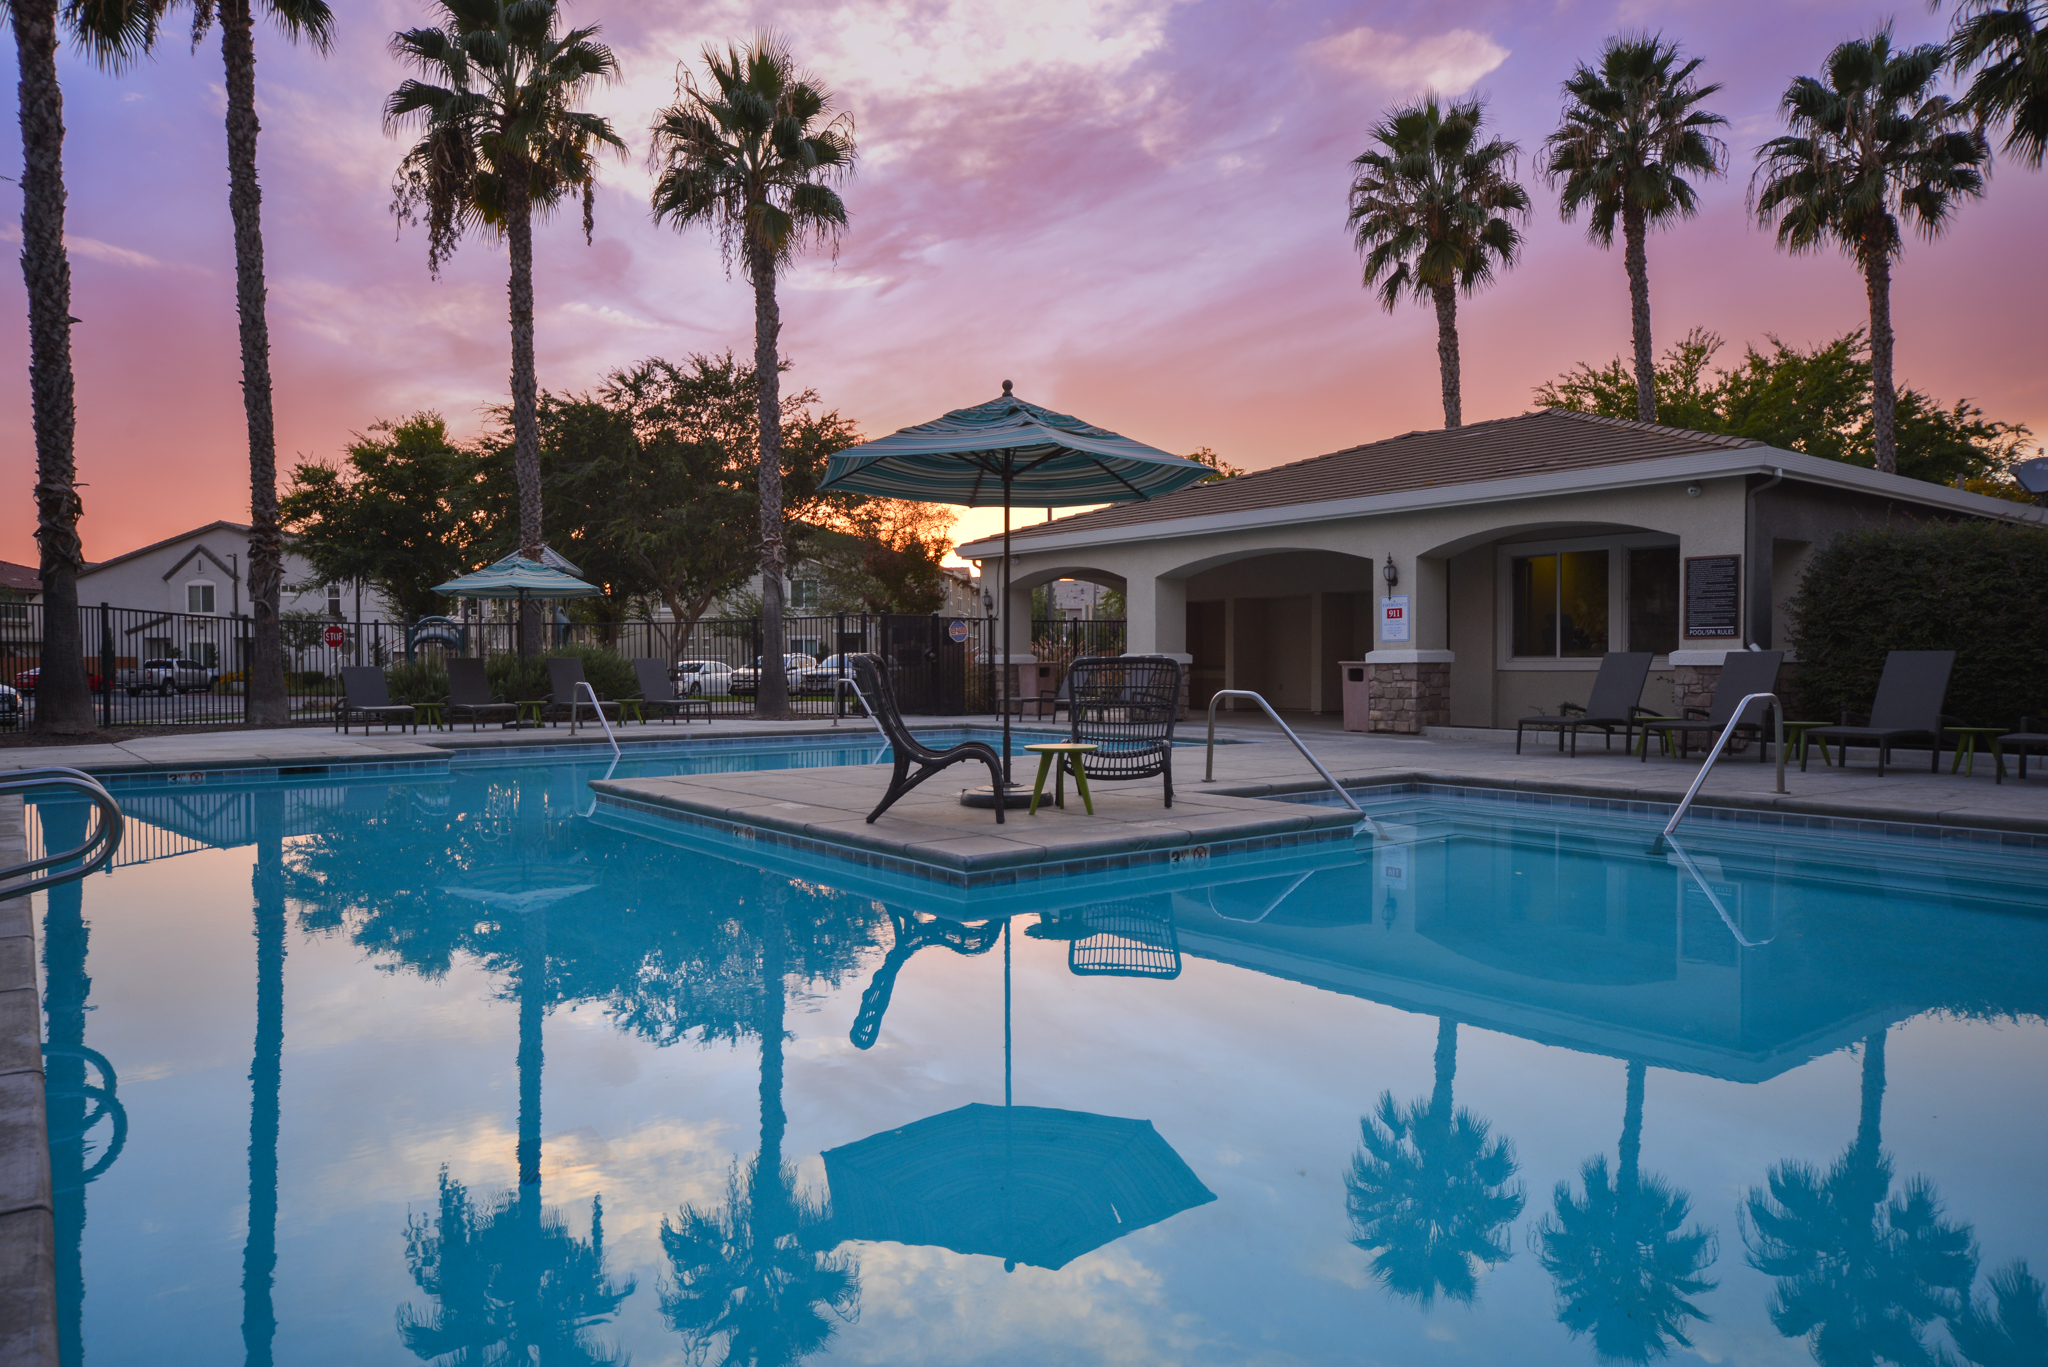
<point x="1006" y="1012"/>
<point x="1006" y="639"/>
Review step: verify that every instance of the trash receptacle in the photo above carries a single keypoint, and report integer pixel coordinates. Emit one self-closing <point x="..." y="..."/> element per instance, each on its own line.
<point x="1357" y="698"/>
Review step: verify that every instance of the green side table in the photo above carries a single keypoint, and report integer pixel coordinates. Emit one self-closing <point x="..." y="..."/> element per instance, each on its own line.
<point x="533" y="712"/>
<point x="1968" y="743"/>
<point x="1795" y="736"/>
<point x="629" y="710"/>
<point x="1058" y="758"/>
<point x="428" y="714"/>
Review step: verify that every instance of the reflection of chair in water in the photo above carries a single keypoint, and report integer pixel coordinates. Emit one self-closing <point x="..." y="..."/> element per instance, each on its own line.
<point x="914" y="931"/>
<point x="1115" y="939"/>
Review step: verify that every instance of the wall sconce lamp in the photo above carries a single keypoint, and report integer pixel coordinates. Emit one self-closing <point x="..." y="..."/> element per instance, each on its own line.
<point x="1389" y="573"/>
<point x="1692" y="491"/>
<point x="988" y="603"/>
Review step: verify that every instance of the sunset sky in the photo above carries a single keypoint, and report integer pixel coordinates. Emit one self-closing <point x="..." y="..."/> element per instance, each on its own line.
<point x="1132" y="208"/>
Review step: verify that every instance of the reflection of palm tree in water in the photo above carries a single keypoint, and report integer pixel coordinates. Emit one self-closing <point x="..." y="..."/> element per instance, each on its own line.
<point x="757" y="1274"/>
<point x="1430" y="1192"/>
<point x="2011" y="1329"/>
<point x="1859" y="1271"/>
<point x="1624" y="1265"/>
<point x="266" y="1078"/>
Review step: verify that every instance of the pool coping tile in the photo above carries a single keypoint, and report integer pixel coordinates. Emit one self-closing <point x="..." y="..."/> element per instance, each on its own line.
<point x="28" y="1234"/>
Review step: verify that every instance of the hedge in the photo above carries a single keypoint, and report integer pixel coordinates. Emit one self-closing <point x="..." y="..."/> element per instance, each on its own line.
<point x="513" y="679"/>
<point x="1977" y="588"/>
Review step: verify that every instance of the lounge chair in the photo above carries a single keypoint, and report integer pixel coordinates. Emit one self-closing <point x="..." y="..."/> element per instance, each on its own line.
<point x="873" y="679"/>
<point x="1125" y="705"/>
<point x="470" y="698"/>
<point x="914" y="931"/>
<point x="1617" y="693"/>
<point x="2032" y="735"/>
<point x="1047" y="702"/>
<point x="365" y="698"/>
<point x="658" y="694"/>
<point x="565" y="673"/>
<point x="1908" y="707"/>
<point x="1744" y="672"/>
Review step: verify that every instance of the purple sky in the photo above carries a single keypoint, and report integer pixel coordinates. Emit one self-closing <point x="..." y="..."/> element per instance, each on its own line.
<point x="1132" y="208"/>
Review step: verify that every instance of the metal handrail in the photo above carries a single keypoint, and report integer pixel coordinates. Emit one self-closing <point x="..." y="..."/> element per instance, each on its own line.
<point x="838" y="698"/>
<point x="1209" y="766"/>
<point x="576" y="707"/>
<point x="97" y="851"/>
<point x="1685" y="861"/>
<point x="1721" y="743"/>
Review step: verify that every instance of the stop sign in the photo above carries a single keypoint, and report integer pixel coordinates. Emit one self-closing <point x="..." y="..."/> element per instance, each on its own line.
<point x="335" y="636"/>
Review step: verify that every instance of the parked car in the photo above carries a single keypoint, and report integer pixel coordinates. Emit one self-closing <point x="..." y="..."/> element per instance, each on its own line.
<point x="819" y="678"/>
<point x="25" y="682"/>
<point x="170" y="676"/>
<point x="744" y="680"/>
<point x="12" y="713"/>
<point x="701" y="678"/>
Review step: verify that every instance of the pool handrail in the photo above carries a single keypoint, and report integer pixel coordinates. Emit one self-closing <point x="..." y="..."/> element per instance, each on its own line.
<point x="1685" y="861"/>
<point x="838" y="698"/>
<point x="97" y="851"/>
<point x="1721" y="743"/>
<point x="1209" y="764"/>
<point x="602" y="720"/>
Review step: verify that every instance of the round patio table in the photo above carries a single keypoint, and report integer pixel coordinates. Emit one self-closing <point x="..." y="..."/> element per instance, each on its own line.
<point x="1059" y="757"/>
<point x="1967" y="744"/>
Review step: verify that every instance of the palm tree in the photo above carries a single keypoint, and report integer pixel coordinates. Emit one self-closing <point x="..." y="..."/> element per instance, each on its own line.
<point x="1623" y="1263"/>
<point x="751" y="157"/>
<point x="1430" y="1191"/>
<point x="1859" y="1270"/>
<point x="266" y="1081"/>
<point x="2007" y="42"/>
<point x="1630" y="135"/>
<point x="113" y="32"/>
<point x="2010" y="1330"/>
<point x="500" y="143"/>
<point x="1870" y="143"/>
<point x="1431" y="211"/>
<point x="265" y="700"/>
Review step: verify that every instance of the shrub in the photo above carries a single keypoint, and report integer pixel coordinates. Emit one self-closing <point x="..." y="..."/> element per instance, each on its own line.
<point x="1977" y="588"/>
<point x="420" y="681"/>
<point x="609" y="672"/>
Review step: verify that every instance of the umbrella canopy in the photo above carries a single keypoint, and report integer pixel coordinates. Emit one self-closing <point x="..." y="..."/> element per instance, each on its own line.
<point x="1007" y="450"/>
<point x="517" y="577"/>
<point x="1022" y="1183"/>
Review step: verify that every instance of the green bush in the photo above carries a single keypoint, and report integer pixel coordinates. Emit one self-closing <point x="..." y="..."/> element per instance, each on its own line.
<point x="420" y="681"/>
<point x="609" y="672"/>
<point x="1977" y="588"/>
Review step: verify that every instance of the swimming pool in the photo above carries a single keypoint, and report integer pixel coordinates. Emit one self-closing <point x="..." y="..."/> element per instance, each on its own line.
<point x="1514" y="1086"/>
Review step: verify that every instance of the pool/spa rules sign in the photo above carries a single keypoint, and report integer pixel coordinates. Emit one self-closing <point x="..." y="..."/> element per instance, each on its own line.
<point x="1713" y="596"/>
<point x="1394" y="618"/>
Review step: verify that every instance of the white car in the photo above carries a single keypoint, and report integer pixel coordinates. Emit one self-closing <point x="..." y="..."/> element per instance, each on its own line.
<point x="820" y="677"/>
<point x="11" y="713"/>
<point x="793" y="667"/>
<point x="701" y="678"/>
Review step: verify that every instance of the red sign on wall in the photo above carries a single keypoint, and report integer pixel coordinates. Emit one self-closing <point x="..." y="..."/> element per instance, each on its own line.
<point x="335" y="636"/>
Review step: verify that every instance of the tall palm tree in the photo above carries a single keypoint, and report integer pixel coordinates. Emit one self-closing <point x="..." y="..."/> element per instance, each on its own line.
<point x="499" y="143"/>
<point x="265" y="701"/>
<point x="1430" y="1191"/>
<point x="1432" y="209"/>
<point x="1624" y="1264"/>
<point x="1859" y="1271"/>
<point x="752" y="156"/>
<point x="112" y="32"/>
<point x="2006" y="41"/>
<point x="1871" y="142"/>
<point x="1630" y="135"/>
<point x="266" y="1082"/>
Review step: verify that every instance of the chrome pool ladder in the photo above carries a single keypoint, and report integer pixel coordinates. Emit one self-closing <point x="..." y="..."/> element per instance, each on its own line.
<point x="1721" y="743"/>
<point x="1209" y="766"/>
<point x="100" y="843"/>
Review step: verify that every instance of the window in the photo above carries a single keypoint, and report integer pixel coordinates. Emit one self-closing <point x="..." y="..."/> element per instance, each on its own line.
<point x="803" y="593"/>
<point x="1560" y="604"/>
<point x="1653" y="599"/>
<point x="199" y="598"/>
<point x="334" y="601"/>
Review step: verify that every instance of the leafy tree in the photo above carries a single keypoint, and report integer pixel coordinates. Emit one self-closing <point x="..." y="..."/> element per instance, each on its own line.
<point x="1432" y="209"/>
<point x="1870" y="143"/>
<point x="112" y="33"/>
<point x="883" y="555"/>
<point x="1219" y="467"/>
<point x="2003" y="46"/>
<point x="750" y="157"/>
<point x="1687" y="393"/>
<point x="1630" y="135"/>
<point x="394" y="513"/>
<point x="500" y="143"/>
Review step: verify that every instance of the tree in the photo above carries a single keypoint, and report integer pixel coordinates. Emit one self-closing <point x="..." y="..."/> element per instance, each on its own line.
<point x="313" y="21"/>
<point x="884" y="555"/>
<point x="112" y="32"/>
<point x="1870" y="143"/>
<point x="1630" y="135"/>
<point x="500" y="143"/>
<point x="1432" y="211"/>
<point x="395" y="513"/>
<point x="2006" y="41"/>
<point x="1219" y="467"/>
<point x="751" y="157"/>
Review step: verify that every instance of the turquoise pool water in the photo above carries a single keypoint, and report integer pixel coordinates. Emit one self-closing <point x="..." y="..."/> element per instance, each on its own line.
<point x="1522" y="1087"/>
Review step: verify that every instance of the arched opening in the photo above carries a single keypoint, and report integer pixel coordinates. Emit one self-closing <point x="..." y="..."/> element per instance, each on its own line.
<point x="1277" y="621"/>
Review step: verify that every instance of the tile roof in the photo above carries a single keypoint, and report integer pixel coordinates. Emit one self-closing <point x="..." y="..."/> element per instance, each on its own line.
<point x="20" y="578"/>
<point x="1530" y="444"/>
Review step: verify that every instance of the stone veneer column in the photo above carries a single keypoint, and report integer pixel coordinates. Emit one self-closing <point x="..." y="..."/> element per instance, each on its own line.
<point x="1411" y="689"/>
<point x="1695" y="675"/>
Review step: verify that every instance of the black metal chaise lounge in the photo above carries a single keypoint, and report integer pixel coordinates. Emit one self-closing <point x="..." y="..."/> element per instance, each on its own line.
<point x="873" y="681"/>
<point x="1744" y="672"/>
<point x="1615" y="701"/>
<point x="366" y="699"/>
<point x="565" y="673"/>
<point x="1125" y="706"/>
<point x="658" y="694"/>
<point x="1910" y="693"/>
<point x="470" y="698"/>
<point x="2032" y="735"/>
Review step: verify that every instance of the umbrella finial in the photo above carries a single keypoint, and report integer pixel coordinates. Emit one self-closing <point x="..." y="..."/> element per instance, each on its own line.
<point x="1006" y="389"/>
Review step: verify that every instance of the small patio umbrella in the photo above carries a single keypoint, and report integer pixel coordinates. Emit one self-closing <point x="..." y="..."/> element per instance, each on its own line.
<point x="517" y="577"/>
<point x="1008" y="451"/>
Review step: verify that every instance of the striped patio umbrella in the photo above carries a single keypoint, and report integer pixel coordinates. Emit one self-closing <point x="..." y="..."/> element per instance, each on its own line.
<point x="517" y="577"/>
<point x="1006" y="452"/>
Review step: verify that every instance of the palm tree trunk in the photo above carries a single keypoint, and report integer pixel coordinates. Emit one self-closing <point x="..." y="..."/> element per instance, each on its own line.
<point x="771" y="687"/>
<point x="525" y="394"/>
<point x="766" y="1189"/>
<point x="1870" y="1120"/>
<point x="1447" y="352"/>
<point x="265" y="703"/>
<point x="1630" y="1171"/>
<point x="1636" y="255"/>
<point x="1446" y="1068"/>
<point x="66" y="989"/>
<point x="533" y="974"/>
<point x="266" y="1079"/>
<point x="62" y="703"/>
<point x="1884" y="397"/>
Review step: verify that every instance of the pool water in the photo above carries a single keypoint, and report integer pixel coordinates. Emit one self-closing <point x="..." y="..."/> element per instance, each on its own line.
<point x="441" y="1070"/>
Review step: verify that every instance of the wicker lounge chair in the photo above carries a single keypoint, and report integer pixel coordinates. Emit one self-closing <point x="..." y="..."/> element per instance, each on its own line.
<point x="470" y="698"/>
<point x="366" y="699"/>
<point x="917" y="930"/>
<point x="658" y="694"/>
<point x="873" y="679"/>
<point x="1744" y="672"/>
<point x="1125" y="706"/>
<point x="1908" y="707"/>
<point x="1617" y="693"/>
<point x="2032" y="735"/>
